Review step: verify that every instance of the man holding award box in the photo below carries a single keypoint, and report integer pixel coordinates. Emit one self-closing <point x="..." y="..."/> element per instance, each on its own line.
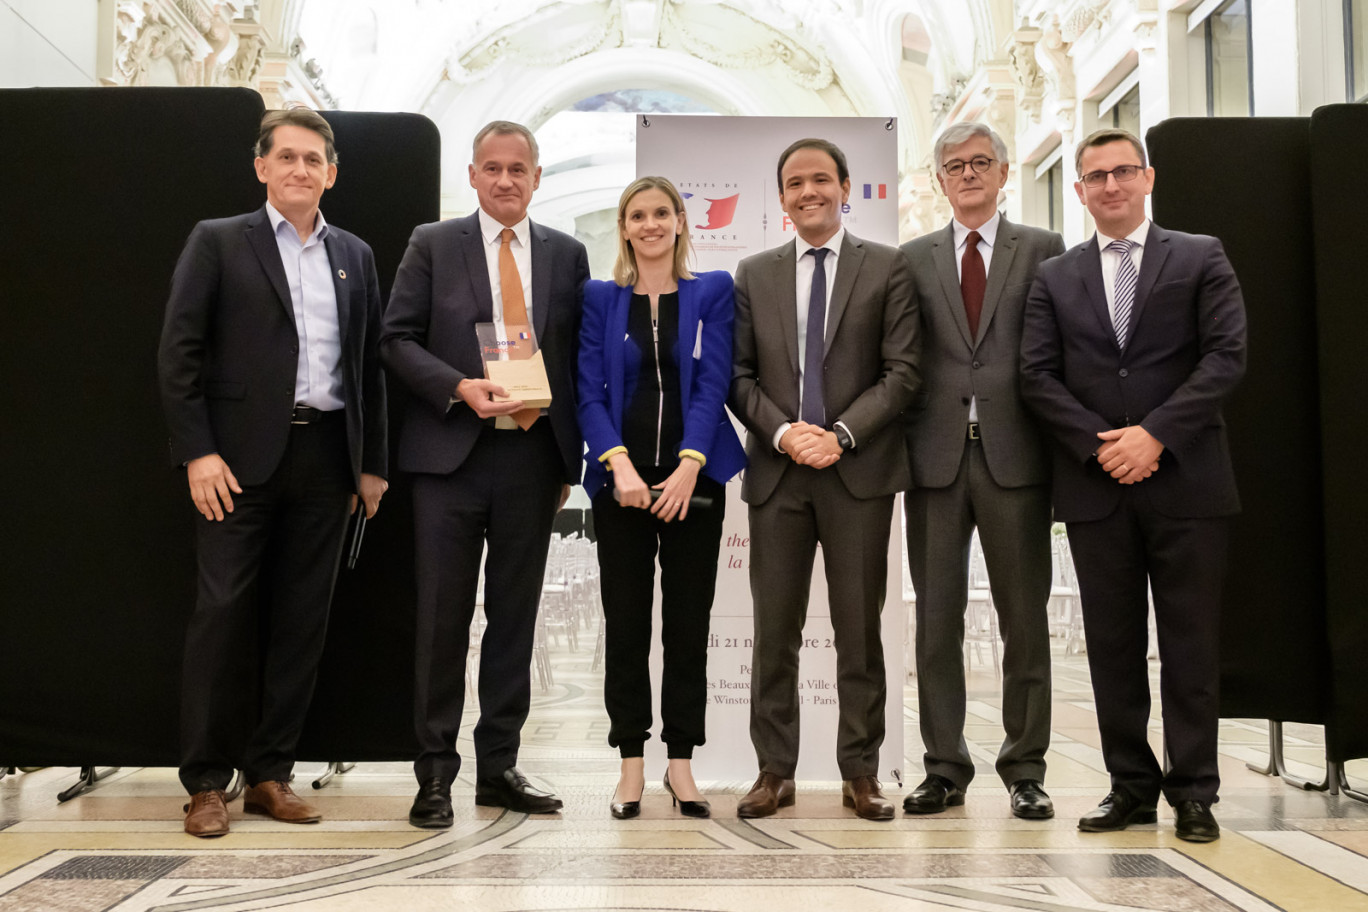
<point x="489" y="470"/>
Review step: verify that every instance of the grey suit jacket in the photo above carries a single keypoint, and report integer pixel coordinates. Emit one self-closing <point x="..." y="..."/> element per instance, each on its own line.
<point x="428" y="342"/>
<point x="872" y="341"/>
<point x="956" y="367"/>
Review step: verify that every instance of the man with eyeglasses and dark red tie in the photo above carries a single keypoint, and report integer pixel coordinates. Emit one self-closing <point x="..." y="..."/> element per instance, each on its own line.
<point x="978" y="461"/>
<point x="1132" y="343"/>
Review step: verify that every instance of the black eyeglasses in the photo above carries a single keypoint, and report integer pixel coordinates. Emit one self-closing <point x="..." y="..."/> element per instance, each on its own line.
<point x="1122" y="173"/>
<point x="955" y="167"/>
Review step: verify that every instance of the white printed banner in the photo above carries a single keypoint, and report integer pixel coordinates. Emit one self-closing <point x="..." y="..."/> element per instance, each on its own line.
<point x="726" y="167"/>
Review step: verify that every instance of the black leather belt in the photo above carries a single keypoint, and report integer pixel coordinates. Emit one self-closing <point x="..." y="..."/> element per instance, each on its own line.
<point x="304" y="414"/>
<point x="974" y="431"/>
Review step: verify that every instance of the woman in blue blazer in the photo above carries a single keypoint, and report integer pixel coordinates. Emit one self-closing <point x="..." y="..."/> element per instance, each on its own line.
<point x="654" y="367"/>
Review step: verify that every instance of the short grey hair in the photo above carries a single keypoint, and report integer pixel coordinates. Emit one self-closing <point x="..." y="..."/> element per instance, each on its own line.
<point x="962" y="133"/>
<point x="504" y="128"/>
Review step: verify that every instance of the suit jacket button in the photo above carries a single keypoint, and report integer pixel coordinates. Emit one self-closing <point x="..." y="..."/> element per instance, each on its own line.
<point x="1124" y="373"/>
<point x="977" y="365"/>
<point x="294" y="349"/>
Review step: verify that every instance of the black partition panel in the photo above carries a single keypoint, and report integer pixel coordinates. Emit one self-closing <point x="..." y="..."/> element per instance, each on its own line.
<point x="1246" y="181"/>
<point x="102" y="186"/>
<point x="1339" y="134"/>
<point x="388" y="182"/>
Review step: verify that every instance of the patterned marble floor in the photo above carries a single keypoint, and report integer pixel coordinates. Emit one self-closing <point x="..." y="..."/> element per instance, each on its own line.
<point x="120" y="847"/>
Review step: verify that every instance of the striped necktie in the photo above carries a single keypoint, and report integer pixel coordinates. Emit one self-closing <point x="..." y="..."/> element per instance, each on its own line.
<point x="1123" y="289"/>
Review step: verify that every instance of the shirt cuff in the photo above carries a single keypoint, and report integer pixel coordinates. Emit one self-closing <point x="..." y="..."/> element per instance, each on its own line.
<point x="695" y="455"/>
<point x="610" y="454"/>
<point x="779" y="434"/>
<point x="845" y="427"/>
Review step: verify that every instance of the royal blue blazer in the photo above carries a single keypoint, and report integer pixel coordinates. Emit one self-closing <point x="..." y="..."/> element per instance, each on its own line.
<point x="609" y="361"/>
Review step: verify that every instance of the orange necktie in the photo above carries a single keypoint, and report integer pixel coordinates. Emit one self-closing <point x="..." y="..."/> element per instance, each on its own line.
<point x="515" y="314"/>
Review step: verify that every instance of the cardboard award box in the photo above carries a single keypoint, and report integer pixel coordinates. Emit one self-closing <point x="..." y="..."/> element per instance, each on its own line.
<point x="505" y="352"/>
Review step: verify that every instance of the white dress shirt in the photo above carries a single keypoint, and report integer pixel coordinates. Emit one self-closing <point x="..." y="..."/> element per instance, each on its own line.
<point x="1111" y="260"/>
<point x="987" y="237"/>
<point x="491" y="229"/>
<point x="313" y="298"/>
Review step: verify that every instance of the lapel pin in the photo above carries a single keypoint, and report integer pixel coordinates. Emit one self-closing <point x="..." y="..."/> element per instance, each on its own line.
<point x="342" y="274"/>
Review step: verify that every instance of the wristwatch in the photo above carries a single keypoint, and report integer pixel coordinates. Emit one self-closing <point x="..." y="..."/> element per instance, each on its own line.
<point x="843" y="438"/>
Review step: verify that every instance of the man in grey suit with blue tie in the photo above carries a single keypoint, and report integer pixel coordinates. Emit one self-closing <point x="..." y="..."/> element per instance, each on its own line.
<point x="978" y="460"/>
<point x="824" y="362"/>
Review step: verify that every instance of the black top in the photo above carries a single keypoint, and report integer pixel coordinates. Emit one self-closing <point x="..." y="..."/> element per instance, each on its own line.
<point x="653" y="425"/>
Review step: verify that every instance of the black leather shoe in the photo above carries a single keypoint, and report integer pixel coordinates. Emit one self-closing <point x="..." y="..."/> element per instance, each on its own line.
<point x="1195" y="823"/>
<point x="1116" y="812"/>
<point x="512" y="790"/>
<point x="687" y="808"/>
<point x="432" y="807"/>
<point x="626" y="810"/>
<point x="935" y="794"/>
<point x="1029" y="801"/>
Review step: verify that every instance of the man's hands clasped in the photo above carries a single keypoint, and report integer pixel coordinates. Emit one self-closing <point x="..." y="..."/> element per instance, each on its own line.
<point x="810" y="445"/>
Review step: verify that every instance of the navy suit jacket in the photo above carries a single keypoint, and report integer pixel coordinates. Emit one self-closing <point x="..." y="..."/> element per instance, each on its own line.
<point x="229" y="349"/>
<point x="703" y="352"/>
<point x="428" y="343"/>
<point x="1184" y="354"/>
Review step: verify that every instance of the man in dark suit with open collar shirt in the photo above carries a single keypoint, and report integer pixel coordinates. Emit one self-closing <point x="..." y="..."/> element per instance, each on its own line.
<point x="273" y="391"/>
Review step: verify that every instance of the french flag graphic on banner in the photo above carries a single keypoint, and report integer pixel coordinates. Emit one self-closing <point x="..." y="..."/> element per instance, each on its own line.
<point x="523" y="337"/>
<point x="871" y="189"/>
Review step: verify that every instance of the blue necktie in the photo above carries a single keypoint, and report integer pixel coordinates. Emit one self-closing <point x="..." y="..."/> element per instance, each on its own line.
<point x="814" y="408"/>
<point x="1123" y="290"/>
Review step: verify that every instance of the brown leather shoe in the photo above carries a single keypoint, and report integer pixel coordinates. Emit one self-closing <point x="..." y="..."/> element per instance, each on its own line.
<point x="769" y="794"/>
<point x="863" y="794"/>
<point x="206" y="814"/>
<point x="274" y="799"/>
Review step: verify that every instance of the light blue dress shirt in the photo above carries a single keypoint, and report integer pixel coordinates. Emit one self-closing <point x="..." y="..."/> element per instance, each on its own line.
<point x="313" y="297"/>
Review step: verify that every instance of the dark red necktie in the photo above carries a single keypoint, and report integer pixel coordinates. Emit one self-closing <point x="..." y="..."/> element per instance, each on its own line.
<point x="973" y="281"/>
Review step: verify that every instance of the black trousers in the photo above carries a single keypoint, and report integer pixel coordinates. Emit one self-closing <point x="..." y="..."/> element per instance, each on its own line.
<point x="628" y="541"/>
<point x="266" y="574"/>
<point x="503" y="496"/>
<point x="1183" y="562"/>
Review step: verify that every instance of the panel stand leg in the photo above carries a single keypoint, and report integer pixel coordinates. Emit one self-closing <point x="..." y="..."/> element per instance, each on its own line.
<point x="86" y="781"/>
<point x="1277" y="765"/>
<point x="1340" y="783"/>
<point x="7" y="771"/>
<point x="235" y="787"/>
<point x="334" y="769"/>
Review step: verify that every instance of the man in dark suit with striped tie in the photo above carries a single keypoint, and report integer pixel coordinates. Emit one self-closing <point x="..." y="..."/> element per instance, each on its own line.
<point x="1132" y="342"/>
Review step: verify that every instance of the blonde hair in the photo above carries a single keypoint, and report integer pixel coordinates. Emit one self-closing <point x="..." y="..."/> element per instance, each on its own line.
<point x="625" y="269"/>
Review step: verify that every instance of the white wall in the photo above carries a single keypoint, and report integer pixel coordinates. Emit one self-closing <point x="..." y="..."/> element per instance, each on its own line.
<point x="47" y="43"/>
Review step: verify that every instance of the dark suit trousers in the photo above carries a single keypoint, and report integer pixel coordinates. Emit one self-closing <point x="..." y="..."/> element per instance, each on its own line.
<point x="628" y="541"/>
<point x="811" y="506"/>
<point x="1014" y="530"/>
<point x="266" y="575"/>
<point x="504" y="495"/>
<point x="1183" y="561"/>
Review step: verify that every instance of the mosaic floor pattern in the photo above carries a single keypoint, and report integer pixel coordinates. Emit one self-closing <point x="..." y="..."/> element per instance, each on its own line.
<point x="120" y="846"/>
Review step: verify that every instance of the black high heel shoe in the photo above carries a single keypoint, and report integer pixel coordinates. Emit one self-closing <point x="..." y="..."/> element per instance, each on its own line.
<point x="687" y="808"/>
<point x="626" y="810"/>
